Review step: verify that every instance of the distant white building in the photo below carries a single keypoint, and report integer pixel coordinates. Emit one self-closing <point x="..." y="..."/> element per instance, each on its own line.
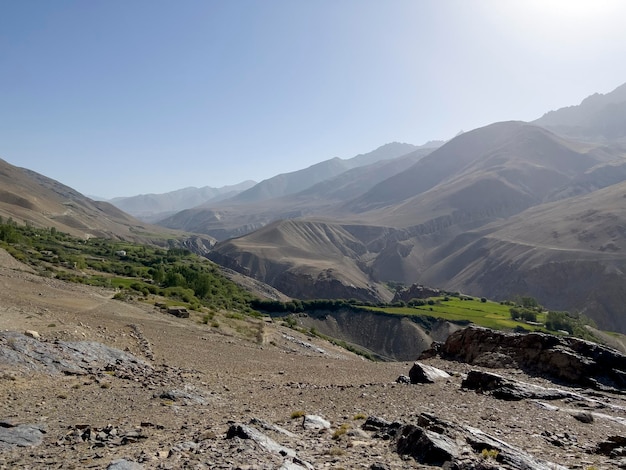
<point x="120" y="253"/>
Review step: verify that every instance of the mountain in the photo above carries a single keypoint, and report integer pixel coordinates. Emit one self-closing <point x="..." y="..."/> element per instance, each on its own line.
<point x="572" y="256"/>
<point x="154" y="207"/>
<point x="235" y="218"/>
<point x="29" y="197"/>
<point x="290" y="183"/>
<point x="597" y="118"/>
<point x="419" y="224"/>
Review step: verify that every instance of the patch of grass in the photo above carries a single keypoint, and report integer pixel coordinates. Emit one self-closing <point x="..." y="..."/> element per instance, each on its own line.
<point x="343" y="429"/>
<point x="336" y="452"/>
<point x="488" y="314"/>
<point x="490" y="454"/>
<point x="297" y="414"/>
<point x="359" y="416"/>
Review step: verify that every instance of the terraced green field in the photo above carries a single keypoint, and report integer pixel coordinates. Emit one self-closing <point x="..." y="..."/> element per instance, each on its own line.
<point x="488" y="314"/>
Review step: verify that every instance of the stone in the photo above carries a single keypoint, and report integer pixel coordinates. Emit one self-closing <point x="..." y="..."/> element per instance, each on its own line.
<point x="374" y="423"/>
<point x="315" y="422"/>
<point x="21" y="435"/>
<point x="569" y="359"/>
<point x="583" y="417"/>
<point x="403" y="379"/>
<point x="425" y="446"/>
<point x="123" y="464"/>
<point x="434" y="441"/>
<point x="248" y="432"/>
<point x="423" y="374"/>
<point x="507" y="389"/>
<point x="32" y="334"/>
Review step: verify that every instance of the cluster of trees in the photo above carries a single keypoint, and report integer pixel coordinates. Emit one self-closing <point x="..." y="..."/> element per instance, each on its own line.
<point x="297" y="306"/>
<point x="146" y="269"/>
<point x="524" y="314"/>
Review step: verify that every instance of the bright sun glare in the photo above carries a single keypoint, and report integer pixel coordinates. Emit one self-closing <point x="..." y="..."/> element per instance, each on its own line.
<point x="568" y="22"/>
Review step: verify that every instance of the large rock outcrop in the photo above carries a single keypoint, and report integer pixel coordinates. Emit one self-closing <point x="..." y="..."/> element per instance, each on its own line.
<point x="568" y="359"/>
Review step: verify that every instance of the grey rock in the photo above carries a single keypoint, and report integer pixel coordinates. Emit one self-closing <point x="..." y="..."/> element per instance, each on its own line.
<point x="379" y="466"/>
<point x="374" y="423"/>
<point x="425" y="446"/>
<point x="315" y="422"/>
<point x="610" y="445"/>
<point x="403" y="379"/>
<point x="22" y="435"/>
<point x="270" y="445"/>
<point x="583" y="417"/>
<point x="272" y="427"/>
<point x="434" y="441"/>
<point x="186" y="397"/>
<point x="422" y="373"/>
<point x="27" y="354"/>
<point x="568" y="359"/>
<point x="507" y="389"/>
<point x="123" y="464"/>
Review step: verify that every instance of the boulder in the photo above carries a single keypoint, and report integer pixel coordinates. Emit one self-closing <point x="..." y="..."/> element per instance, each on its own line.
<point x="19" y="435"/>
<point x="123" y="464"/>
<point x="315" y="422"/>
<point x="434" y="441"/>
<point x="507" y="389"/>
<point x="572" y="360"/>
<point x="425" y="374"/>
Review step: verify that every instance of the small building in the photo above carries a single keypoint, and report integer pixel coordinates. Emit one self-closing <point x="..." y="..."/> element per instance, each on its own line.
<point x="120" y="253"/>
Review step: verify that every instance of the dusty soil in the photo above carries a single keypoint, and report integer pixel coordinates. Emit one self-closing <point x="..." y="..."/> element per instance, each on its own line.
<point x="233" y="371"/>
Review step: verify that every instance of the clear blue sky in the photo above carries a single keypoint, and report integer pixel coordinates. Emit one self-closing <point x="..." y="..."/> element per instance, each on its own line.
<point x="123" y="97"/>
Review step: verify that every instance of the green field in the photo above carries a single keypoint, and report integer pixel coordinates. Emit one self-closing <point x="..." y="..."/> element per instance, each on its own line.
<point x="488" y="314"/>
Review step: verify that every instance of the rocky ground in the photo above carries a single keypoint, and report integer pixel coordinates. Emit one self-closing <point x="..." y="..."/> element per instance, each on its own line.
<point x="97" y="383"/>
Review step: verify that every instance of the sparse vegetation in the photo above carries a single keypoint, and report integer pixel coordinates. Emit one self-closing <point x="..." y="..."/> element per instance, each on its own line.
<point x="340" y="431"/>
<point x="141" y="271"/>
<point x="297" y="414"/>
<point x="490" y="454"/>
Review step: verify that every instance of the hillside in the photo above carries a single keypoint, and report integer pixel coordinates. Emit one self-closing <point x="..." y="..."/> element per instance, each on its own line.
<point x="416" y="226"/>
<point x="573" y="258"/>
<point x="101" y="383"/>
<point x="229" y="219"/>
<point x="296" y="181"/>
<point x="599" y="117"/>
<point x="30" y="198"/>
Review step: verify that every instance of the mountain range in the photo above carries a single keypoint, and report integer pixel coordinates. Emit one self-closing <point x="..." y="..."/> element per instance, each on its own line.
<point x="512" y="208"/>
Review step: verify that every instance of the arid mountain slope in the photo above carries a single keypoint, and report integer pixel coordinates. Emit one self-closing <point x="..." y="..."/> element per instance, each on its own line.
<point x="28" y="197"/>
<point x="494" y="171"/>
<point x="571" y="255"/>
<point x="427" y="223"/>
<point x="303" y="259"/>
<point x="599" y="117"/>
<point x="229" y="219"/>
<point x="290" y="183"/>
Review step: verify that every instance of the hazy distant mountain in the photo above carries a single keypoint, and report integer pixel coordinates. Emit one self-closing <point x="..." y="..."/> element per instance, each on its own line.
<point x="27" y="196"/>
<point x="597" y="118"/>
<point x="153" y="207"/>
<point x="229" y="219"/>
<point x="437" y="222"/>
<point x="296" y="181"/>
